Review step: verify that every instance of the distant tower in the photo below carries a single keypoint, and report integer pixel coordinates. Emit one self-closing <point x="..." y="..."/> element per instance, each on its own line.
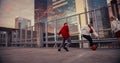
<point x="22" y="23"/>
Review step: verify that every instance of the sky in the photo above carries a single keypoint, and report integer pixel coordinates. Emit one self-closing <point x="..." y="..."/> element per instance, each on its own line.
<point x="10" y="9"/>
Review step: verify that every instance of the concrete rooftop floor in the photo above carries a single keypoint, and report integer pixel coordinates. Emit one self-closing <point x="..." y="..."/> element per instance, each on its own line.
<point x="51" y="55"/>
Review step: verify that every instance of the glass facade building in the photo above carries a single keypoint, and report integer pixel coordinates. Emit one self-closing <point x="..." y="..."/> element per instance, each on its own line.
<point x="101" y="17"/>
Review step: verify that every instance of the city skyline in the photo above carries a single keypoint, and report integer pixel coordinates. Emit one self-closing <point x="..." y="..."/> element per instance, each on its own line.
<point x="10" y="9"/>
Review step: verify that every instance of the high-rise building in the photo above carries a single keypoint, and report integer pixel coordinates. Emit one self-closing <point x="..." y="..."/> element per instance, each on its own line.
<point x="93" y="4"/>
<point x="99" y="14"/>
<point x="60" y="8"/>
<point x="22" y="23"/>
<point x="46" y="10"/>
<point x="40" y="10"/>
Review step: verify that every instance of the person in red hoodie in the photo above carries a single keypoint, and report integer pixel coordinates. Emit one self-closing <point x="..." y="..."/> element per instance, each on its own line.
<point x="66" y="36"/>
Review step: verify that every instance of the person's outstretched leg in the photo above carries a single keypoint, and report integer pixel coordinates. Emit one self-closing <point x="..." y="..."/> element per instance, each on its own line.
<point x="92" y="45"/>
<point x="89" y="39"/>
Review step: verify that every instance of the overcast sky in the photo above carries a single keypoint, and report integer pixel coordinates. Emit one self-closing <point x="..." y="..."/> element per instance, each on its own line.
<point x="10" y="9"/>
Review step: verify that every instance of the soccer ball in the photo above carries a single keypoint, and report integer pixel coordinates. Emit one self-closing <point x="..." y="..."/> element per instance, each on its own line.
<point x="94" y="47"/>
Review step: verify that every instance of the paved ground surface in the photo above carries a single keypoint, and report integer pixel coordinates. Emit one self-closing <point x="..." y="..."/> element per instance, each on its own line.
<point x="51" y="55"/>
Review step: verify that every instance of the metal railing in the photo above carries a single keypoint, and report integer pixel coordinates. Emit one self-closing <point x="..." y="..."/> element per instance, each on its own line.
<point x="31" y="38"/>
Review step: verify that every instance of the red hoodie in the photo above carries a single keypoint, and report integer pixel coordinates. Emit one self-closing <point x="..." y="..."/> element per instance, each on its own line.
<point x="65" y="32"/>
